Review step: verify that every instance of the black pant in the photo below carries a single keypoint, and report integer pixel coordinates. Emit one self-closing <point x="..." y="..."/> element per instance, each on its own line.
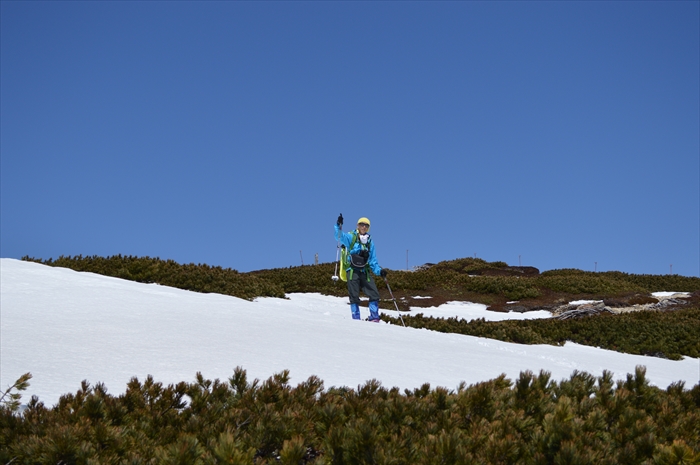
<point x="361" y="281"/>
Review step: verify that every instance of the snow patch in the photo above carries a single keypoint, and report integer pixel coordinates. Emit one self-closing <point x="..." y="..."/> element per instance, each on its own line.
<point x="670" y="294"/>
<point x="584" y="302"/>
<point x="472" y="311"/>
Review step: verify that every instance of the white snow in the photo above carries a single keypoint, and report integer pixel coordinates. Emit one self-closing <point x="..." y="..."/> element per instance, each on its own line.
<point x="584" y="302"/>
<point x="471" y="311"/>
<point x="64" y="327"/>
<point x="669" y="294"/>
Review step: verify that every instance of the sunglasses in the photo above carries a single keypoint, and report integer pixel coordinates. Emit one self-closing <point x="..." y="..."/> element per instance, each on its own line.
<point x="363" y="224"/>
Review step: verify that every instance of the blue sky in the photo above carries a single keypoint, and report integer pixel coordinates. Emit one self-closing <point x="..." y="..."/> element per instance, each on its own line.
<point x="549" y="134"/>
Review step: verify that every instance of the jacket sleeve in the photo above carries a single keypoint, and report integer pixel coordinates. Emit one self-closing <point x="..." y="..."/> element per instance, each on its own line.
<point x="373" y="263"/>
<point x="344" y="238"/>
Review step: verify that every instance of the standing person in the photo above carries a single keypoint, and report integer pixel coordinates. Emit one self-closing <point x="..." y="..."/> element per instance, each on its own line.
<point x="359" y="259"/>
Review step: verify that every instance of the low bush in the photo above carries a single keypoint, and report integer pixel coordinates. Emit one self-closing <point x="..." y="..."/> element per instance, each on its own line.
<point x="451" y="280"/>
<point x="532" y="420"/>
<point x="667" y="334"/>
<point x="198" y="278"/>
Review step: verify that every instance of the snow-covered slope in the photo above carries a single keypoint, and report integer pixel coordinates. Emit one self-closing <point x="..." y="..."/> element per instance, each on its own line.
<point x="64" y="327"/>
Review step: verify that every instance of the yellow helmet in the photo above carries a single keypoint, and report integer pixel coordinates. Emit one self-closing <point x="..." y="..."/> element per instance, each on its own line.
<point x="365" y="221"/>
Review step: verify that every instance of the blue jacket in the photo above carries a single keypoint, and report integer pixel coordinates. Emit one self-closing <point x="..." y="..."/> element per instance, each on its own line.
<point x="346" y="240"/>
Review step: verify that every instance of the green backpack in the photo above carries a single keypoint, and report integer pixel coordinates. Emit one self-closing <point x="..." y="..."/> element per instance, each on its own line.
<point x="345" y="258"/>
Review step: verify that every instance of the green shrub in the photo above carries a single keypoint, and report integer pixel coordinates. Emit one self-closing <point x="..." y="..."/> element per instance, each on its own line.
<point x="574" y="281"/>
<point x="451" y="280"/>
<point x="533" y="419"/>
<point x="671" y="334"/>
<point x="198" y="278"/>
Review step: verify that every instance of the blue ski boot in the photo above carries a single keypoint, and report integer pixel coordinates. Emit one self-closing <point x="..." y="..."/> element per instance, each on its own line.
<point x="374" y="311"/>
<point x="355" y="309"/>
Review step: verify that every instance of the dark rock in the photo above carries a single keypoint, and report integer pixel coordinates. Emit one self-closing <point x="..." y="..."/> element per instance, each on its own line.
<point x="517" y="308"/>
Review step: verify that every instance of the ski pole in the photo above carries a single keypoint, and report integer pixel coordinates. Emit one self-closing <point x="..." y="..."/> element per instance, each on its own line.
<point x="337" y="251"/>
<point x="394" y="299"/>
<point x="337" y="255"/>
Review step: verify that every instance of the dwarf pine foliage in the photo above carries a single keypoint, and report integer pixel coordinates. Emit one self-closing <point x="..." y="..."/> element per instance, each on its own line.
<point x="531" y="420"/>
<point x="671" y="335"/>
<point x="470" y="279"/>
<point x="10" y="399"/>
<point x="198" y="278"/>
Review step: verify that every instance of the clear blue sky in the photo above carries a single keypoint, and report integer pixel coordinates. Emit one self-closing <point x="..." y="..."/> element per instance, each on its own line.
<point x="552" y="134"/>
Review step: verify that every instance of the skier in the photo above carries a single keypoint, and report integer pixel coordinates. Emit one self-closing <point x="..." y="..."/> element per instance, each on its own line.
<point x="359" y="258"/>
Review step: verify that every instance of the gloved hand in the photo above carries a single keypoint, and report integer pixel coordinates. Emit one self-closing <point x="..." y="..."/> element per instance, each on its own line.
<point x="382" y="273"/>
<point x="340" y="220"/>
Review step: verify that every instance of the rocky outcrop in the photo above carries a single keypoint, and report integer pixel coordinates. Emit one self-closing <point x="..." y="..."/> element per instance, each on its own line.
<point x="578" y="310"/>
<point x="568" y="311"/>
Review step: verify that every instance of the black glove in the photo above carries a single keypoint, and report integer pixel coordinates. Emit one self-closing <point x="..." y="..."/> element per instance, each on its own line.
<point x="340" y="220"/>
<point x="382" y="273"/>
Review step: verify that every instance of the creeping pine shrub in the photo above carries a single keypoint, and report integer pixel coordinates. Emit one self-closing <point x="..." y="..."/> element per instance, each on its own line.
<point x="586" y="283"/>
<point x="306" y="278"/>
<point x="533" y="419"/>
<point x="671" y="335"/>
<point x="452" y="279"/>
<point x="10" y="399"/>
<point x="572" y="281"/>
<point x="198" y="278"/>
<point x="467" y="265"/>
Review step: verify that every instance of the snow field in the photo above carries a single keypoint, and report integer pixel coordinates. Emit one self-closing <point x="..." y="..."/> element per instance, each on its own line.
<point x="65" y="327"/>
